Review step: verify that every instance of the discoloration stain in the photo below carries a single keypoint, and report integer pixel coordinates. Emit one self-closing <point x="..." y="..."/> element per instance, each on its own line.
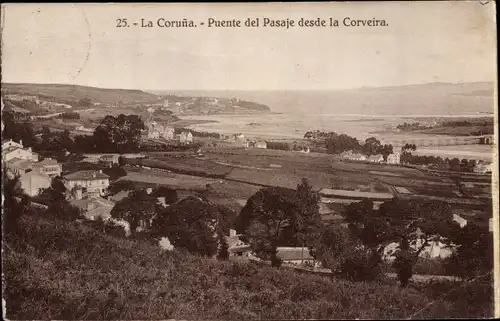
<point x="89" y="46"/>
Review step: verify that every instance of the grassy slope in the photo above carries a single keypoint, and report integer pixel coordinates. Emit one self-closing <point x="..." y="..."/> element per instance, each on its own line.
<point x="75" y="92"/>
<point x="69" y="271"/>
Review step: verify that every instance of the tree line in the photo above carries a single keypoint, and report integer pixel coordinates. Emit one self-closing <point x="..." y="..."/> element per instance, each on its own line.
<point x="275" y="217"/>
<point x="338" y="143"/>
<point x="120" y="134"/>
<point x="453" y="164"/>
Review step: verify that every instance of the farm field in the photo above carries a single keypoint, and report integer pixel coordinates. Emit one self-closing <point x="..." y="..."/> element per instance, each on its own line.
<point x="484" y="152"/>
<point x="234" y="174"/>
<point x="170" y="179"/>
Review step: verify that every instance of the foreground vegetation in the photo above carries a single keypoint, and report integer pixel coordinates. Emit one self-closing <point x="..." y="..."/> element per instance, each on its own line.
<point x="67" y="270"/>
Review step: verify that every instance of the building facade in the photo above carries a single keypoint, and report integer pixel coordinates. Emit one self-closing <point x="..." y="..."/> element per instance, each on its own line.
<point x="18" y="166"/>
<point x="186" y="137"/>
<point x="394" y="158"/>
<point x="92" y="181"/>
<point x="376" y="158"/>
<point x="19" y="152"/>
<point x="33" y="183"/>
<point x="49" y="167"/>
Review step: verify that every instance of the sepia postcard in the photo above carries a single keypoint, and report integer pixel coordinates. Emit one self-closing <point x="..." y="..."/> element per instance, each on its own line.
<point x="249" y="161"/>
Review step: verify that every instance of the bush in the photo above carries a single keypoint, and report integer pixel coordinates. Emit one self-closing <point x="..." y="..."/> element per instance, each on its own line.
<point x="64" y="270"/>
<point x="360" y="265"/>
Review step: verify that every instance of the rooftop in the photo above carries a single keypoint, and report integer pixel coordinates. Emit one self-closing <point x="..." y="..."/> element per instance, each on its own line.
<point x="83" y="203"/>
<point x="10" y="149"/>
<point x="120" y="195"/>
<point x="354" y="194"/>
<point x="294" y="253"/>
<point x="19" y="163"/>
<point x="86" y="175"/>
<point x="48" y="161"/>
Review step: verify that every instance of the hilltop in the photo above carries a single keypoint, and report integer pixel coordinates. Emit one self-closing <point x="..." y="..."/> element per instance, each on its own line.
<point x="72" y="95"/>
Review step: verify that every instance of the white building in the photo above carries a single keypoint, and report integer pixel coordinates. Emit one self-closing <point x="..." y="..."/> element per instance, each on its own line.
<point x="11" y="152"/>
<point x="483" y="168"/>
<point x="356" y="157"/>
<point x="94" y="207"/>
<point x="261" y="144"/>
<point x="48" y="166"/>
<point x="33" y="183"/>
<point x="92" y="181"/>
<point x="186" y="137"/>
<point x="18" y="166"/>
<point x="376" y="158"/>
<point x="394" y="158"/>
<point x="11" y="143"/>
<point x="156" y="131"/>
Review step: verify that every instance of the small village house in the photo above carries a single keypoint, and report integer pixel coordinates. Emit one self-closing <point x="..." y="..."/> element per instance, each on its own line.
<point x="168" y="133"/>
<point x="186" y="137"/>
<point x="346" y="154"/>
<point x="11" y="149"/>
<point x="261" y="144"/>
<point x="18" y="166"/>
<point x="377" y="159"/>
<point x="297" y="256"/>
<point x="94" y="207"/>
<point x="92" y="181"/>
<point x="33" y="183"/>
<point x="49" y="167"/>
<point x="153" y="134"/>
<point x="394" y="158"/>
<point x="109" y="159"/>
<point x="11" y="143"/>
<point x="357" y="157"/>
<point x="483" y="168"/>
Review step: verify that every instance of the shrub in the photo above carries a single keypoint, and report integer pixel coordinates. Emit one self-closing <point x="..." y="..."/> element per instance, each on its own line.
<point x="360" y="265"/>
<point x="66" y="270"/>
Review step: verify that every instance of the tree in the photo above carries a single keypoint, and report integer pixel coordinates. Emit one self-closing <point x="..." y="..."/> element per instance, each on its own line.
<point x="15" y="203"/>
<point x="266" y="217"/>
<point x="85" y="102"/>
<point x="307" y="223"/>
<point x="119" y="134"/>
<point x="17" y="128"/>
<point x="121" y="185"/>
<point x="336" y="144"/>
<point x="137" y="209"/>
<point x="412" y="224"/>
<point x="474" y="251"/>
<point x="170" y="194"/>
<point x="408" y="148"/>
<point x="332" y="245"/>
<point x="121" y="161"/>
<point x="58" y="205"/>
<point x="386" y="150"/>
<point x="56" y="192"/>
<point x="65" y="142"/>
<point x="191" y="224"/>
<point x="372" y="146"/>
<point x="277" y="216"/>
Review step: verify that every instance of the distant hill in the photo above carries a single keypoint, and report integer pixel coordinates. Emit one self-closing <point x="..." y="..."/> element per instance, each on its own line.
<point x="421" y="99"/>
<point x="180" y="104"/>
<point x="73" y="93"/>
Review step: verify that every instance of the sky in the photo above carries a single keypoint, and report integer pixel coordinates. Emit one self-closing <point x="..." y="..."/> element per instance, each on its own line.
<point x="81" y="44"/>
